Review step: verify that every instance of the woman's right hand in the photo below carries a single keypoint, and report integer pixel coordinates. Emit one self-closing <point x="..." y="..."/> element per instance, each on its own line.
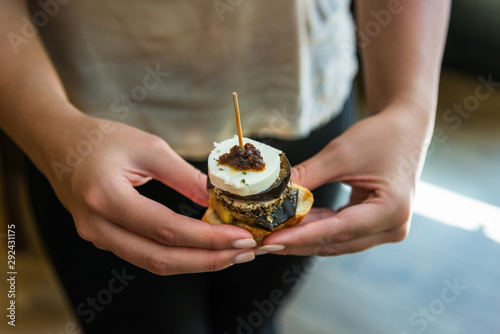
<point x="97" y="186"/>
<point x="94" y="174"/>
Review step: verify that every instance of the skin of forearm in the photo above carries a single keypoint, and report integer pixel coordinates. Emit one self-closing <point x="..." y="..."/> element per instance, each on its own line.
<point x="34" y="109"/>
<point x="402" y="62"/>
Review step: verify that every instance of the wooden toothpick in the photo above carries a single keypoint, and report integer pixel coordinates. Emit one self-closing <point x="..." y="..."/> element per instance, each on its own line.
<point x="237" y="114"/>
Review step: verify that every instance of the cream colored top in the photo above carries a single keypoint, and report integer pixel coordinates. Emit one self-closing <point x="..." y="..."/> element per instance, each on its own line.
<point x="169" y="66"/>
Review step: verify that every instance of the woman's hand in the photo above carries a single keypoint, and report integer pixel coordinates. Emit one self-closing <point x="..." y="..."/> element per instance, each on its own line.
<point x="380" y="157"/>
<point x="94" y="168"/>
<point x="98" y="190"/>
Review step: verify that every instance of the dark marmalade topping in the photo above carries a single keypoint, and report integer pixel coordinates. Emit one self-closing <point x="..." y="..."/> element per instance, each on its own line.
<point x="242" y="159"/>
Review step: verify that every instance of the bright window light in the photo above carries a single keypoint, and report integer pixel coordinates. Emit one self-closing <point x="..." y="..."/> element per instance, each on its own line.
<point x="451" y="208"/>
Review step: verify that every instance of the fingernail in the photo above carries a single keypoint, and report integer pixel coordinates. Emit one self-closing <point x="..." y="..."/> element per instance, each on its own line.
<point x="244" y="243"/>
<point x="243" y="257"/>
<point x="271" y="248"/>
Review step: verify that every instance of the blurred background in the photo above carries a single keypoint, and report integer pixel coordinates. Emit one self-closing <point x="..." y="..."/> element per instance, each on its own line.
<point x="444" y="278"/>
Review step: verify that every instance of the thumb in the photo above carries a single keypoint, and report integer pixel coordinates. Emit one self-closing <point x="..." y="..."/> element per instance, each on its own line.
<point x="317" y="170"/>
<point x="168" y="167"/>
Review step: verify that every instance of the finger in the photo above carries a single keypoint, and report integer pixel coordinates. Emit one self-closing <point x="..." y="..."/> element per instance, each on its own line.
<point x="316" y="214"/>
<point x="307" y="174"/>
<point x="169" y="168"/>
<point x="357" y="196"/>
<point x="352" y="223"/>
<point x="125" y="206"/>
<point x="165" y="260"/>
<point x="349" y="247"/>
<point x="329" y="165"/>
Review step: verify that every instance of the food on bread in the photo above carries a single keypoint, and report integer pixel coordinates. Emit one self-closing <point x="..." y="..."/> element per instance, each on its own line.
<point x="250" y="187"/>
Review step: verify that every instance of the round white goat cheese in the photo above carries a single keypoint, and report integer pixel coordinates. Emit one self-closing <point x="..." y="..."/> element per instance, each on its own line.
<point x="243" y="183"/>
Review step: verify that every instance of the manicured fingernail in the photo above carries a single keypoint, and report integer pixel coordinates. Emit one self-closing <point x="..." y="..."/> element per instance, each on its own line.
<point x="244" y="243"/>
<point x="271" y="248"/>
<point x="244" y="257"/>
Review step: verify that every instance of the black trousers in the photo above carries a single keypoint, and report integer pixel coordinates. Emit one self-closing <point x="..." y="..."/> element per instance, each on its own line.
<point x="110" y="295"/>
